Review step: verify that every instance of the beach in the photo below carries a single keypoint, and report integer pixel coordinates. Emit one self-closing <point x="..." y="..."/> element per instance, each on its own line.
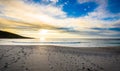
<point x="58" y="58"/>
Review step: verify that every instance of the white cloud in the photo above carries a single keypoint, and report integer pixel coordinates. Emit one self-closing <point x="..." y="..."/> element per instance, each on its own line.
<point x="48" y="13"/>
<point x="101" y="11"/>
<point x="51" y="15"/>
<point x="83" y="1"/>
<point x="54" y="1"/>
<point x="20" y="10"/>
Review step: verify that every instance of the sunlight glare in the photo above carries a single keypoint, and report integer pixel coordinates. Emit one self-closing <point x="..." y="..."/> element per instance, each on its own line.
<point x="43" y="32"/>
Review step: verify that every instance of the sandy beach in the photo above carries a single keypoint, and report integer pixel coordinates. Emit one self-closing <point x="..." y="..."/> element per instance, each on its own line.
<point x="56" y="58"/>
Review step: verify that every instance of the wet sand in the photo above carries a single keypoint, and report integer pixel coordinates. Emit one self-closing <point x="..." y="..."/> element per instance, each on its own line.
<point x="56" y="58"/>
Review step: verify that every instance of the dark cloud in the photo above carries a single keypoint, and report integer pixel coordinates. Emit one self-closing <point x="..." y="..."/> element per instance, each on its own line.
<point x="110" y="29"/>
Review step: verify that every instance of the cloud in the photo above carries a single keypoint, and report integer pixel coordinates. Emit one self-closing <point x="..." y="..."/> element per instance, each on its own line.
<point x="54" y="1"/>
<point x="102" y="11"/>
<point x="35" y="14"/>
<point x="83" y="1"/>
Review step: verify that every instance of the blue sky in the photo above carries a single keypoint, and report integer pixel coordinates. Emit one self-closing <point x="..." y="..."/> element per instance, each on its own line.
<point x="76" y="9"/>
<point x="97" y="18"/>
<point x="72" y="7"/>
<point x="113" y="6"/>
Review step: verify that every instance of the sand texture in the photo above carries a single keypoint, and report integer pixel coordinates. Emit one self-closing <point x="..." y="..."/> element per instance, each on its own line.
<point x="56" y="58"/>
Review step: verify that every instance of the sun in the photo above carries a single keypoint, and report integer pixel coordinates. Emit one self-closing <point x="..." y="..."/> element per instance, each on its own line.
<point x="43" y="31"/>
<point x="42" y="34"/>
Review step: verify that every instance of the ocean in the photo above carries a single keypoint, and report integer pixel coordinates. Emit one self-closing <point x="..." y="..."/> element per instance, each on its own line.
<point x="69" y="42"/>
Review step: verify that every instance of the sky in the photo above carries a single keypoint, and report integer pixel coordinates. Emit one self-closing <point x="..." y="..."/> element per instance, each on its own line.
<point x="61" y="18"/>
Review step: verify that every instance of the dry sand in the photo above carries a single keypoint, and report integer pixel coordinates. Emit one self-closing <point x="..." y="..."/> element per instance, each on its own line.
<point x="56" y="58"/>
